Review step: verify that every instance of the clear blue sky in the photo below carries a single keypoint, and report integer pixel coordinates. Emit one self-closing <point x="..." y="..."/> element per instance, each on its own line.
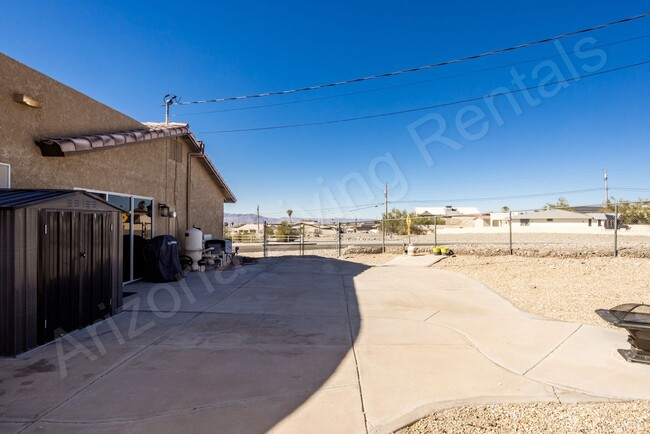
<point x="129" y="54"/>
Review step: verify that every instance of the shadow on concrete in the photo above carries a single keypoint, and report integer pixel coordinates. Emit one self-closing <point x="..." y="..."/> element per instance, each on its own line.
<point x="263" y="346"/>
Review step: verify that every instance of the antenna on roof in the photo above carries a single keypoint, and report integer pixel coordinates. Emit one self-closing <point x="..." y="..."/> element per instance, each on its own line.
<point x="169" y="100"/>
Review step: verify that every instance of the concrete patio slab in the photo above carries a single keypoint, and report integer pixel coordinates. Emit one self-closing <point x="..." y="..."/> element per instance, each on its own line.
<point x="287" y="301"/>
<point x="285" y="280"/>
<point x="336" y="410"/>
<point x="294" y="342"/>
<point x="41" y="379"/>
<point x="389" y="373"/>
<point x="589" y="363"/>
<point x="211" y="375"/>
<point x="391" y="304"/>
<point x="414" y="261"/>
<point x="517" y="344"/>
<point x="397" y="331"/>
<point x="261" y="329"/>
<point x="11" y="428"/>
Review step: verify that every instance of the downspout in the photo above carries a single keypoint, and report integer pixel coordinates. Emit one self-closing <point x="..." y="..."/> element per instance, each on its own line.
<point x="189" y="180"/>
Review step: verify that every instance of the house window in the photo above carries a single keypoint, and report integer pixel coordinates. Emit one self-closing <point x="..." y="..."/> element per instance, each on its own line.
<point x="5" y="175"/>
<point x="525" y="222"/>
<point x="549" y="220"/>
<point x="138" y="227"/>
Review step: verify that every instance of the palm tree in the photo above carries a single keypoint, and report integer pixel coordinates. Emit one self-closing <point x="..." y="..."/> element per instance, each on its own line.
<point x="289" y="212"/>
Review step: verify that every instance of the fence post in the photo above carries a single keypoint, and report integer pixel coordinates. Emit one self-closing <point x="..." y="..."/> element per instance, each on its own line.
<point x="383" y="234"/>
<point x="302" y="239"/>
<point x="616" y="229"/>
<point x="265" y="242"/>
<point x="435" y="232"/>
<point x="510" y="229"/>
<point x="338" y="239"/>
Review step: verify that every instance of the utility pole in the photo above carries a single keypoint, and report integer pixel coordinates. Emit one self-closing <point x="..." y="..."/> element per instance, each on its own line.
<point x="258" y="219"/>
<point x="383" y="239"/>
<point x="606" y="188"/>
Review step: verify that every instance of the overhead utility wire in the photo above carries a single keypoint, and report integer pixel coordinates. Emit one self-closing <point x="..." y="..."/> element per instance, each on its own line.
<point x="413" y="83"/>
<point x="523" y="196"/>
<point x="429" y="107"/>
<point x="421" y="68"/>
<point x="475" y="199"/>
<point x="331" y="210"/>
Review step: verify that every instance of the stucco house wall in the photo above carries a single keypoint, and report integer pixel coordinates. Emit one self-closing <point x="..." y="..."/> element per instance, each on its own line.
<point x="150" y="168"/>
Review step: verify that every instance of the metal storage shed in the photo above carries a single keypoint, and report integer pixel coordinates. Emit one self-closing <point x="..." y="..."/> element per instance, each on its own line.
<point x="60" y="264"/>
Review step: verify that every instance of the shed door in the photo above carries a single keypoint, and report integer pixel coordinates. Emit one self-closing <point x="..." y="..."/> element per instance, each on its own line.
<point x="74" y="274"/>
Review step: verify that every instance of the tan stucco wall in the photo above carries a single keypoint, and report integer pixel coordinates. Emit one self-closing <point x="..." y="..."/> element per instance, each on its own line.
<point x="142" y="169"/>
<point x="65" y="111"/>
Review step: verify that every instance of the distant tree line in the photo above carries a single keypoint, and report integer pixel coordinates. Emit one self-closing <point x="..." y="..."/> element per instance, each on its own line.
<point x="396" y="222"/>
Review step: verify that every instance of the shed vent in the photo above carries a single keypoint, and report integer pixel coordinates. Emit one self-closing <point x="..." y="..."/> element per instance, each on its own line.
<point x="5" y="175"/>
<point x="175" y="151"/>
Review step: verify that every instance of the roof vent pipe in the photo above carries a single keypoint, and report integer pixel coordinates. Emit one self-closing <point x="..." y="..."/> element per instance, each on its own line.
<point x="169" y="100"/>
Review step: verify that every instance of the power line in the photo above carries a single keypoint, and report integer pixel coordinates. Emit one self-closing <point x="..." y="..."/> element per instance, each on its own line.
<point x="424" y="67"/>
<point x="451" y="200"/>
<point x="331" y="210"/>
<point x="522" y="196"/>
<point x="483" y="199"/>
<point x="429" y="107"/>
<point x="413" y="83"/>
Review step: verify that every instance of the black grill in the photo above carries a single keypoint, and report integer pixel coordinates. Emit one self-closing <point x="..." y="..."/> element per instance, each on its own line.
<point x="635" y="318"/>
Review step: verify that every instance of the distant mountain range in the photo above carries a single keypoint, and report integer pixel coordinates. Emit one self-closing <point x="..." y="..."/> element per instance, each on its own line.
<point x="242" y="219"/>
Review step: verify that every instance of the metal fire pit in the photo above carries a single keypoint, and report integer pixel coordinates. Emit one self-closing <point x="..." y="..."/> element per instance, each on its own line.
<point x="635" y="318"/>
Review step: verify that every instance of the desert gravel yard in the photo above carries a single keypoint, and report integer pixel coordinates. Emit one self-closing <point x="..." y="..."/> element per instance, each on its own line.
<point x="623" y="417"/>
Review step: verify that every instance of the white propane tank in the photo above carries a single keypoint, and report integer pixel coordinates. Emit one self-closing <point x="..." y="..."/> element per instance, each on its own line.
<point x="194" y="246"/>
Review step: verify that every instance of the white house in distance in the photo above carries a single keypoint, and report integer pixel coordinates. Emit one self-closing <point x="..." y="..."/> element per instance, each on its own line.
<point x="553" y="218"/>
<point x="455" y="216"/>
<point x="446" y="211"/>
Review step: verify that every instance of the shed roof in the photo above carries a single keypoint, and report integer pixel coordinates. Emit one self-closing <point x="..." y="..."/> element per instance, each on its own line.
<point x="65" y="146"/>
<point x="21" y="198"/>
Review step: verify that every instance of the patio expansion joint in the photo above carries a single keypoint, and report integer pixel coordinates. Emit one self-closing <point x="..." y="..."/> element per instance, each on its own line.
<point x="356" y="359"/>
<point x="496" y="363"/>
<point x="190" y="409"/>
<point x="552" y="351"/>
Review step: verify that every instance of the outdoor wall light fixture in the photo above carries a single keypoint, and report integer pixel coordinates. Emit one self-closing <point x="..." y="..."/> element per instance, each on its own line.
<point x="27" y="100"/>
<point x="165" y="211"/>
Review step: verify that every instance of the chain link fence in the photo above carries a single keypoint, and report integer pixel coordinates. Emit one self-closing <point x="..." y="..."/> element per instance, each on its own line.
<point x="621" y="228"/>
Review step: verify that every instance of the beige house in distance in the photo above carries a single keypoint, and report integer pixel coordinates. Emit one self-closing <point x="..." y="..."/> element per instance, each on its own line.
<point x="53" y="137"/>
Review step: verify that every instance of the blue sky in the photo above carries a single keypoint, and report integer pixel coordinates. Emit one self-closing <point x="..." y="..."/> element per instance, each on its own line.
<point x="128" y="55"/>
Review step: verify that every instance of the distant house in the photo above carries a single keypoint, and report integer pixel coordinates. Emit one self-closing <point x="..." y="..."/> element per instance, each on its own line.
<point x="552" y="218"/>
<point x="249" y="228"/>
<point x="446" y="211"/>
<point x="603" y="220"/>
<point x="500" y="219"/>
<point x="463" y="217"/>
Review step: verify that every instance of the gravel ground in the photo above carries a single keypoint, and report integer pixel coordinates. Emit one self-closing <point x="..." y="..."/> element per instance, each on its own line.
<point x="620" y="417"/>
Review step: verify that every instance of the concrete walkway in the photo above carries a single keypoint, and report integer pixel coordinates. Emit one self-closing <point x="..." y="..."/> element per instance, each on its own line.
<point x="295" y="345"/>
